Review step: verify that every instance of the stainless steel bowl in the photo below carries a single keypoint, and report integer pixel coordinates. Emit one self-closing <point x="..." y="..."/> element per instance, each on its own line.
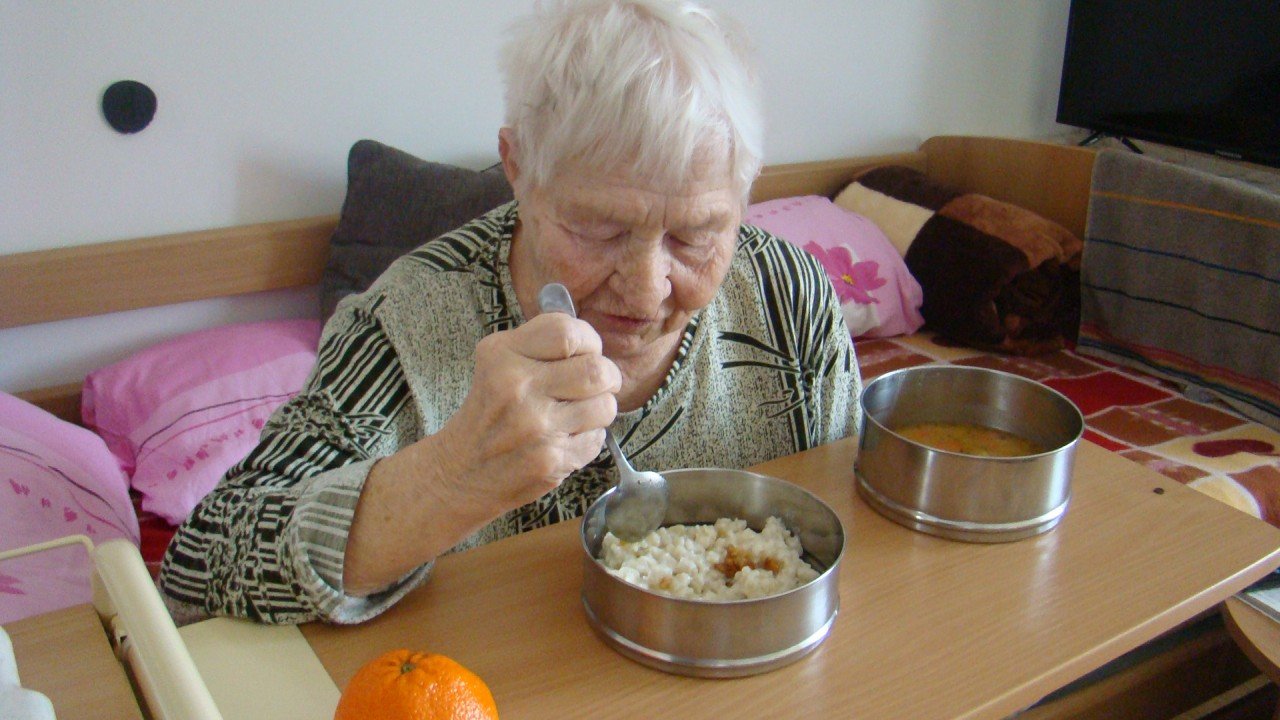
<point x="720" y="639"/>
<point x="958" y="496"/>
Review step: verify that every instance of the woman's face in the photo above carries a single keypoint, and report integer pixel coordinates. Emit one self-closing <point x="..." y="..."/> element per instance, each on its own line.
<point x="639" y="261"/>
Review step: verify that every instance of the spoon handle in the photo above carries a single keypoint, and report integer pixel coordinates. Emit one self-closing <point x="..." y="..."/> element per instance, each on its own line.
<point x="618" y="457"/>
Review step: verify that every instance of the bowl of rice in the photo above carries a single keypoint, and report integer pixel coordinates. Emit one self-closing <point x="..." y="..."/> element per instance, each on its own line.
<point x="740" y="579"/>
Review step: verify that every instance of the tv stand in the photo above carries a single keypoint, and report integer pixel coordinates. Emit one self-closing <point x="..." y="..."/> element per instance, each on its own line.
<point x="1096" y="136"/>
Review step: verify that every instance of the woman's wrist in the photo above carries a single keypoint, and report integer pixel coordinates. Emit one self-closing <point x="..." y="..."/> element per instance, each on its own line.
<point x="413" y="508"/>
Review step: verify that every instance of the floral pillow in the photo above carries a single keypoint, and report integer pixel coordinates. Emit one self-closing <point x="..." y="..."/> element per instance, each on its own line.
<point x="877" y="293"/>
<point x="56" y="480"/>
<point x="179" y="414"/>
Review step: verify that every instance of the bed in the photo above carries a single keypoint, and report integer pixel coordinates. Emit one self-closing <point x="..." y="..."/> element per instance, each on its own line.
<point x="1138" y="414"/>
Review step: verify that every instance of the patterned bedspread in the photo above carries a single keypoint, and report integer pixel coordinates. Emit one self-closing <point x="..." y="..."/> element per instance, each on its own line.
<point x="1204" y="445"/>
<point x="1181" y="278"/>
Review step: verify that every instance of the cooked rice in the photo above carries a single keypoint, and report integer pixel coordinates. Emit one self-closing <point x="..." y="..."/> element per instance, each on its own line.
<point x="724" y="561"/>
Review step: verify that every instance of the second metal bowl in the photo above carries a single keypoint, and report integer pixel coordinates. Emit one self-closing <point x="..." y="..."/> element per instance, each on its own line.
<point x="959" y="496"/>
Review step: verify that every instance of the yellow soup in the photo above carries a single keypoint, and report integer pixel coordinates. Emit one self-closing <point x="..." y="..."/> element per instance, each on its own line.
<point x="969" y="439"/>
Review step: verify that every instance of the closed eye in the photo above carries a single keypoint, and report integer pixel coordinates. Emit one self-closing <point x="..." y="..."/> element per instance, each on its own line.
<point x="594" y="234"/>
<point x="699" y="239"/>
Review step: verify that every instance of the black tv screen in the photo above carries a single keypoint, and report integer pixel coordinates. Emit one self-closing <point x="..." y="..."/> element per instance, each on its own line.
<point x="1199" y="74"/>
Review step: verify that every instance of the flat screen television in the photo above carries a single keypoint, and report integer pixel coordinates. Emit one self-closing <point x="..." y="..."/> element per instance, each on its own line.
<point x="1198" y="74"/>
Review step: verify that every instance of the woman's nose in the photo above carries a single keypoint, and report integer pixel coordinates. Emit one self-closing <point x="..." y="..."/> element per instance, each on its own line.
<point x="644" y="275"/>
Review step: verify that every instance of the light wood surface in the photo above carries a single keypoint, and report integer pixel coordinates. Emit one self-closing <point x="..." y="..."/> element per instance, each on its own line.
<point x="65" y="655"/>
<point x="1199" y="664"/>
<point x="928" y="628"/>
<point x="823" y="177"/>
<point x="1052" y="180"/>
<point x="1256" y="634"/>
<point x="101" y="278"/>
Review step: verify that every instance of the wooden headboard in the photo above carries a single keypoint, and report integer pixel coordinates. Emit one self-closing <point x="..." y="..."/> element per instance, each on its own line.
<point x="86" y="280"/>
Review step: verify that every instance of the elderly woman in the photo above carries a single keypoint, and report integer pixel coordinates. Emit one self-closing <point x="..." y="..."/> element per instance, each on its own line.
<point x="445" y="411"/>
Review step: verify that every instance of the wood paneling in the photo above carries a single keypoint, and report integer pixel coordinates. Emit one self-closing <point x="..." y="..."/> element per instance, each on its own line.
<point x="87" y="280"/>
<point x="823" y="177"/>
<point x="1052" y="180"/>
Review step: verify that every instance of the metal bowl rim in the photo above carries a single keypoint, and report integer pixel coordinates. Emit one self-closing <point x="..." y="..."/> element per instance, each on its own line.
<point x="695" y="666"/>
<point x="1078" y="415"/>
<point x="832" y="567"/>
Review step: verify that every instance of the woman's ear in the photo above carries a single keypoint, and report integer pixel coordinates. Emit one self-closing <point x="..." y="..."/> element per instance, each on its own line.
<point x="509" y="152"/>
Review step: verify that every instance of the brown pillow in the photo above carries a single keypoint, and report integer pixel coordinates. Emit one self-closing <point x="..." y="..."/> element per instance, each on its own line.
<point x="396" y="202"/>
<point x="995" y="276"/>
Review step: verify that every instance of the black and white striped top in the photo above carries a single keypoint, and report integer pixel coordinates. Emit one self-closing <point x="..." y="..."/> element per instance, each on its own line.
<point x="765" y="370"/>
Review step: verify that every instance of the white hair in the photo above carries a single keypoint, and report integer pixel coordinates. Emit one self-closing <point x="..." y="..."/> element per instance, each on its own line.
<point x="639" y="86"/>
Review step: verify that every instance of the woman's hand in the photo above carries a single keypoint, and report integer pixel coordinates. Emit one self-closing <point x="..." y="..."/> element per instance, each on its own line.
<point x="539" y="401"/>
<point x="538" y="405"/>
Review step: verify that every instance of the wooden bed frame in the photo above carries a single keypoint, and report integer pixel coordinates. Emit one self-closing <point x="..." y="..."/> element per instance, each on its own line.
<point x="1052" y="180"/>
<point x="87" y="280"/>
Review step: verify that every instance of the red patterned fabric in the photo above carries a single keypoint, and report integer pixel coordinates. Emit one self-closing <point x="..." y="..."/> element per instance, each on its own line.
<point x="156" y="534"/>
<point x="1204" y="445"/>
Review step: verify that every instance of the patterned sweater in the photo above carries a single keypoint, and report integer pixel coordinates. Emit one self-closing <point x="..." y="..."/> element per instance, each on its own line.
<point x="765" y="370"/>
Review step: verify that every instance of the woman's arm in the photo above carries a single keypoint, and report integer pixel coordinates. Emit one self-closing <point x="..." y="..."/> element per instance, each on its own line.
<point x="344" y="502"/>
<point x="267" y="542"/>
<point x="539" y="400"/>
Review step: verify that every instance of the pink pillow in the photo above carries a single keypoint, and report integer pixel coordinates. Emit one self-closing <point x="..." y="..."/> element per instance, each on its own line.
<point x="56" y="479"/>
<point x="877" y="293"/>
<point x="179" y="414"/>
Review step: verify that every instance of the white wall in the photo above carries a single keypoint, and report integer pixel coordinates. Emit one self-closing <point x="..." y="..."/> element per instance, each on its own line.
<point x="259" y="102"/>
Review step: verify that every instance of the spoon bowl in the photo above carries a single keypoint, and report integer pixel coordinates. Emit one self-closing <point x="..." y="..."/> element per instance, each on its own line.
<point x="639" y="504"/>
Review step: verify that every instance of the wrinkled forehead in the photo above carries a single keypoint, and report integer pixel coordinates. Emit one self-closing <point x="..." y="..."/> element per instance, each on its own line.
<point x="597" y="207"/>
<point x="708" y="171"/>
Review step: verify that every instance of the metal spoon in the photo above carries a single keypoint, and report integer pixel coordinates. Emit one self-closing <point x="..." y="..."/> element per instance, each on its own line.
<point x="637" y="506"/>
<point x="639" y="503"/>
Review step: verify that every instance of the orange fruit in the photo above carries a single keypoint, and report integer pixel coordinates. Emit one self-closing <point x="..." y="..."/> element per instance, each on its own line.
<point x="406" y="685"/>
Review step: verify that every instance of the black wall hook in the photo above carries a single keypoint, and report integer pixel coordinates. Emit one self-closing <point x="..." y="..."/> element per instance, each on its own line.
<point x="128" y="106"/>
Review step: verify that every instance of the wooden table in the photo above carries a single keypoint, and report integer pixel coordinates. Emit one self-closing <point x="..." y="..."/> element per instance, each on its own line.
<point x="65" y="655"/>
<point x="1257" y="635"/>
<point x="928" y="628"/>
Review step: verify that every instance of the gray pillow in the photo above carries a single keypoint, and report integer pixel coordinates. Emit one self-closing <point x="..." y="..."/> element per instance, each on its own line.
<point x="396" y="202"/>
